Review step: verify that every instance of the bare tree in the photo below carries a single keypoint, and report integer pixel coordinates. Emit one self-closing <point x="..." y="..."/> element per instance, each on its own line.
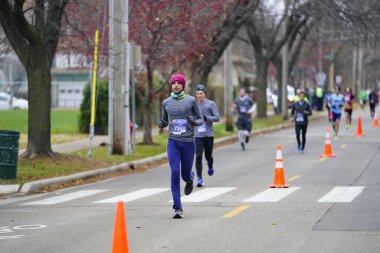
<point x="267" y="36"/>
<point x="33" y="30"/>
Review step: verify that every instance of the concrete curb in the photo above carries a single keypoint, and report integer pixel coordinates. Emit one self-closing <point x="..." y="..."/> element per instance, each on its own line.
<point x="37" y="185"/>
<point x="9" y="188"/>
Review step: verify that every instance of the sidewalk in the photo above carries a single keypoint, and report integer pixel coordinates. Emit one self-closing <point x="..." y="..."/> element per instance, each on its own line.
<point x="84" y="143"/>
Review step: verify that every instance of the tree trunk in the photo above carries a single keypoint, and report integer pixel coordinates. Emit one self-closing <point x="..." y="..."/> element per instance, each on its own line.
<point x="262" y="74"/>
<point x="200" y="75"/>
<point x="35" y="45"/>
<point x="148" y="112"/>
<point x="278" y="63"/>
<point x="39" y="92"/>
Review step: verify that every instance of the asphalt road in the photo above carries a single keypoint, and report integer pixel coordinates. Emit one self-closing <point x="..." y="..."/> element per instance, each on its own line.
<point x="332" y="205"/>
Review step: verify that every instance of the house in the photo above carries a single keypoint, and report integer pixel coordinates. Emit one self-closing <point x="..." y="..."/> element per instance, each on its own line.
<point x="67" y="87"/>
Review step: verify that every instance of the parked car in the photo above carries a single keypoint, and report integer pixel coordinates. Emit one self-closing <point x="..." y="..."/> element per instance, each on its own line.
<point x="17" y="103"/>
<point x="291" y="93"/>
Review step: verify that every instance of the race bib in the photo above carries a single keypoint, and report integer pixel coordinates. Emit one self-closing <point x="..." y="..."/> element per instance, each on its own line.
<point x="299" y="117"/>
<point x="179" y="126"/>
<point x="201" y="128"/>
<point x="243" y="109"/>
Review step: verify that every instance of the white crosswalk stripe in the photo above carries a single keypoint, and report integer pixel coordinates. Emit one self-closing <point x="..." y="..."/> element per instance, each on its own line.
<point x="272" y="195"/>
<point x="134" y="195"/>
<point x="206" y="194"/>
<point x="337" y="194"/>
<point x="342" y="194"/>
<point x="65" y="197"/>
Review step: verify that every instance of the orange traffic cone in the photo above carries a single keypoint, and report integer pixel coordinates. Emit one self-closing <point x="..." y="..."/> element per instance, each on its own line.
<point x="120" y="241"/>
<point x="328" y="148"/>
<point x="375" y="121"/>
<point x="359" y="131"/>
<point x="279" y="179"/>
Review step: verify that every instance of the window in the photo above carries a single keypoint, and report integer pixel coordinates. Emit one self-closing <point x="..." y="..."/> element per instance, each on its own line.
<point x="62" y="91"/>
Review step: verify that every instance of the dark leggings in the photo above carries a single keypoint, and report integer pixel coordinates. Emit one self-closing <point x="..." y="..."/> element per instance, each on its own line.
<point x="372" y="109"/>
<point x="206" y="144"/>
<point x="181" y="157"/>
<point x="300" y="128"/>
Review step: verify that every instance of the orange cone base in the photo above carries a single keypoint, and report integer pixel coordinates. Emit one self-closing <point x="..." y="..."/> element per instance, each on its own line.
<point x="375" y="125"/>
<point x="359" y="135"/>
<point x="279" y="186"/>
<point x="324" y="155"/>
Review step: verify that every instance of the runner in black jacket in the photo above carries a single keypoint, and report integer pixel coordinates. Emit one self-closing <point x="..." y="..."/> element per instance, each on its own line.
<point x="301" y="110"/>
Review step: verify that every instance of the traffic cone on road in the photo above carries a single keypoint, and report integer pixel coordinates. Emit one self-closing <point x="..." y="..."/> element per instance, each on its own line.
<point x="279" y="179"/>
<point x="328" y="147"/>
<point x="375" y="121"/>
<point x="359" y="131"/>
<point x="120" y="240"/>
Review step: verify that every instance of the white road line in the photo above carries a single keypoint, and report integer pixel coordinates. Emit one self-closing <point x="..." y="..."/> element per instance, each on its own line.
<point x="205" y="194"/>
<point x="4" y="237"/>
<point x="342" y="194"/>
<point x="134" y="195"/>
<point x="65" y="197"/>
<point x="272" y="195"/>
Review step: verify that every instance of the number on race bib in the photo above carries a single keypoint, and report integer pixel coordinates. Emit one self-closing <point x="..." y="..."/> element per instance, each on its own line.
<point x="201" y="129"/>
<point x="179" y="126"/>
<point x="300" y="117"/>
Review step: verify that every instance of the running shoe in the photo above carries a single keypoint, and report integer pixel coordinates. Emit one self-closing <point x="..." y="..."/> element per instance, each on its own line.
<point x="302" y="150"/>
<point x="200" y="182"/>
<point x="298" y="147"/>
<point x="188" y="188"/>
<point x="242" y="146"/>
<point x="247" y="139"/>
<point x="210" y="171"/>
<point x="178" y="213"/>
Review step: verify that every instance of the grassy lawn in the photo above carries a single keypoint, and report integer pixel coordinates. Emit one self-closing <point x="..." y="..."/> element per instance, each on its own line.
<point x="62" y="121"/>
<point x="63" y="125"/>
<point x="65" y="164"/>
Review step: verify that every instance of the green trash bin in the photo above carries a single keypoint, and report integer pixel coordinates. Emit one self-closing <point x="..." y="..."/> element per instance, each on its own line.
<point x="9" y="142"/>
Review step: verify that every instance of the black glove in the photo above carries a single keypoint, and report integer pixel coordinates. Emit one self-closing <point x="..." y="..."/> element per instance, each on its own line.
<point x="205" y="118"/>
<point x="191" y="120"/>
<point x="162" y="124"/>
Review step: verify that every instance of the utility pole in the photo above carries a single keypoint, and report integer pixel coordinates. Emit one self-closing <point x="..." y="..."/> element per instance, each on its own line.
<point x="111" y="46"/>
<point x="360" y="68"/>
<point x="127" y="133"/>
<point x="228" y="89"/>
<point x="116" y="80"/>
<point x="331" y="75"/>
<point x="354" y="61"/>
<point x="133" y="56"/>
<point x="285" y="71"/>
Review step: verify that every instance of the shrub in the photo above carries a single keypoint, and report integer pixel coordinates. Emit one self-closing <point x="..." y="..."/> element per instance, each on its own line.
<point x="101" y="115"/>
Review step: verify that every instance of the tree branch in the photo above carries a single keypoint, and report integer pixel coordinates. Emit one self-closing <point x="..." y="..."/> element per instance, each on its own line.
<point x="54" y="18"/>
<point x="15" y="34"/>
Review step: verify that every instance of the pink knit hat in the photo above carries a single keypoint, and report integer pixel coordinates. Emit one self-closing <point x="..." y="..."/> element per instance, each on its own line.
<point x="180" y="78"/>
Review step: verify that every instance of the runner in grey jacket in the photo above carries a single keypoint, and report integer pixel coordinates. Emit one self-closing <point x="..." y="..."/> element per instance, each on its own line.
<point x="245" y="106"/>
<point x="181" y="113"/>
<point x="204" y="134"/>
